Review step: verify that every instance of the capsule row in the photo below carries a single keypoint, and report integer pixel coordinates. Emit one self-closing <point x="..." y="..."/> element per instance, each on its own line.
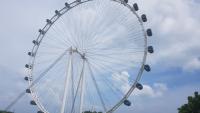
<point x="32" y="102"/>
<point x="138" y="86"/>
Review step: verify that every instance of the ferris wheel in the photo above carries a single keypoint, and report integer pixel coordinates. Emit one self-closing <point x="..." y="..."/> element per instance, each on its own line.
<point x="89" y="56"/>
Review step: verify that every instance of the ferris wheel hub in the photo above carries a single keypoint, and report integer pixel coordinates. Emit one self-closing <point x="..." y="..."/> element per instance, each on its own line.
<point x="75" y="50"/>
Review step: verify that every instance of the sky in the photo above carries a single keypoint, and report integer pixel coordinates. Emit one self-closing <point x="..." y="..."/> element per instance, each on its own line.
<point x="175" y="63"/>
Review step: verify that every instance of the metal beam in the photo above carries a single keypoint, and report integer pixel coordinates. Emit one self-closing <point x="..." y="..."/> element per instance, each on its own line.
<point x="66" y="85"/>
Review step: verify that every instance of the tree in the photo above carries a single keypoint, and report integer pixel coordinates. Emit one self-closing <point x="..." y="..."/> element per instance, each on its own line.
<point x="5" y="112"/>
<point x="193" y="105"/>
<point x="91" y="112"/>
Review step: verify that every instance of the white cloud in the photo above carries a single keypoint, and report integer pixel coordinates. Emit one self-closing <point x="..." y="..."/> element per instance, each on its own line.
<point x="169" y="102"/>
<point x="175" y="24"/>
<point x="156" y="90"/>
<point x="167" y="25"/>
<point x="192" y="65"/>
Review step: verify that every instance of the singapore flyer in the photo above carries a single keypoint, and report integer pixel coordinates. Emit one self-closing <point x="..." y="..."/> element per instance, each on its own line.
<point x="86" y="55"/>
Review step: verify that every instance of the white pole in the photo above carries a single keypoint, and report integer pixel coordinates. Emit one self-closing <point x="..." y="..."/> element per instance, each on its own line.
<point x="72" y="85"/>
<point x="82" y="87"/>
<point x="67" y="78"/>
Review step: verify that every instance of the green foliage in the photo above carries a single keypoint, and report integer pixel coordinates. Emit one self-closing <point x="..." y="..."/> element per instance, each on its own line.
<point x="193" y="105"/>
<point x="91" y="112"/>
<point x="5" y="112"/>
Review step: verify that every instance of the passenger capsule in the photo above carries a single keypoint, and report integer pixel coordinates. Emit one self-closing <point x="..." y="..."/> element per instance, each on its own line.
<point x="135" y="6"/>
<point x="33" y="102"/>
<point x="35" y="42"/>
<point x="30" y="54"/>
<point x="57" y="12"/>
<point x="126" y="1"/>
<point x="26" y="78"/>
<point x="28" y="66"/>
<point x="67" y="5"/>
<point x="139" y="86"/>
<point x="149" y="32"/>
<point x="147" y="68"/>
<point x="150" y="49"/>
<point x="127" y="103"/>
<point x="41" y="31"/>
<point x="144" y="18"/>
<point x="28" y="91"/>
<point x="49" y="21"/>
<point x="40" y="112"/>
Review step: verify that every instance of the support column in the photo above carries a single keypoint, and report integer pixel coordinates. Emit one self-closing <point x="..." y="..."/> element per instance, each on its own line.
<point x="66" y="85"/>
<point x="82" y="87"/>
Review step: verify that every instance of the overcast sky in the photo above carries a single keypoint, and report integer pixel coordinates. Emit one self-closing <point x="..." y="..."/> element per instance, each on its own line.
<point x="175" y="64"/>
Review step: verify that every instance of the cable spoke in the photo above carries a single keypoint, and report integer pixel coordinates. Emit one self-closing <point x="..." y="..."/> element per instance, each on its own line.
<point x="35" y="82"/>
<point x="97" y="87"/>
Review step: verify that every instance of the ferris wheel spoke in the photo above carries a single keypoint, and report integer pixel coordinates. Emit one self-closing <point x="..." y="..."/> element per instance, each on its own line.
<point x="110" y="70"/>
<point x="49" y="91"/>
<point x="48" y="69"/>
<point x="118" y="61"/>
<point x="97" y="87"/>
<point x="109" y="50"/>
<point x="98" y="24"/>
<point x="54" y="94"/>
<point x="44" y="57"/>
<point x="91" y="23"/>
<point x="67" y="33"/>
<point x="34" y="82"/>
<point x="107" y="25"/>
<point x="110" y="84"/>
<point x="46" y="84"/>
<point x="114" y="52"/>
<point x="112" y="58"/>
<point x="102" y="66"/>
<point x="53" y="51"/>
<point x="61" y="33"/>
<point x="137" y="38"/>
<point x="53" y="41"/>
<point x="44" y="62"/>
<point x="54" y="37"/>
<point x="81" y="36"/>
<point x="47" y="45"/>
<point x="107" y="63"/>
<point x="73" y="35"/>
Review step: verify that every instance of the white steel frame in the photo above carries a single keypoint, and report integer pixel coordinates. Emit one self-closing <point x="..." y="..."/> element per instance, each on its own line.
<point x="48" y="26"/>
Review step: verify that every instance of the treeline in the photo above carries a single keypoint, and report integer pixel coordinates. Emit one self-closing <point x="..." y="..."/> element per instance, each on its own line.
<point x="91" y="112"/>
<point x="192" y="106"/>
<point x="5" y="112"/>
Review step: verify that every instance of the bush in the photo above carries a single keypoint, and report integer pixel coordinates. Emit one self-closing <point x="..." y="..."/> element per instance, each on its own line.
<point x="193" y="105"/>
<point x="5" y="112"/>
<point x="91" y="112"/>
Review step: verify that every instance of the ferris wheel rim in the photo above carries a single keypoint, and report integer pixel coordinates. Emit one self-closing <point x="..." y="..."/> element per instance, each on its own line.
<point x="53" y="20"/>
